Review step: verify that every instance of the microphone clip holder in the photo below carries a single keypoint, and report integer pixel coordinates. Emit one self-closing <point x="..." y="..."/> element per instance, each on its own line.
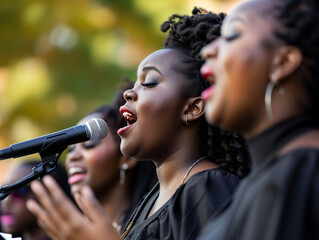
<point x="49" y="157"/>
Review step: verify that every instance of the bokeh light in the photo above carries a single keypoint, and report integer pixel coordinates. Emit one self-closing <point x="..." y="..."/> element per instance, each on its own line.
<point x="61" y="59"/>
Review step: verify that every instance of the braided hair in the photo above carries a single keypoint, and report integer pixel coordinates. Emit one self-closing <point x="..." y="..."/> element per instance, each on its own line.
<point x="189" y="34"/>
<point x="299" y="20"/>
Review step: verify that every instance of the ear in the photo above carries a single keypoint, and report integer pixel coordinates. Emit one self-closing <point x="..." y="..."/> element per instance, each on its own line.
<point x="130" y="162"/>
<point x="287" y="59"/>
<point x="193" y="110"/>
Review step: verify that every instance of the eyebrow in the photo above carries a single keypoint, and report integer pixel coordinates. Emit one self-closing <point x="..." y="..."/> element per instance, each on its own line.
<point x="150" y="68"/>
<point x="237" y="19"/>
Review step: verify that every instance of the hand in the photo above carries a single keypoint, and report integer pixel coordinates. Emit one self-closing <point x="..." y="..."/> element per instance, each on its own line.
<point x="60" y="218"/>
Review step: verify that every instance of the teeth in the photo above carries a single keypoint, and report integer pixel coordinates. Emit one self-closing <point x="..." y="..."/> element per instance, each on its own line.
<point x="75" y="170"/>
<point x="211" y="79"/>
<point x="128" y="116"/>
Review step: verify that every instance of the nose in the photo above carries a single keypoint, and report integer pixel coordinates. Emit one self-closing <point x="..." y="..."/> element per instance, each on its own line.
<point x="210" y="50"/>
<point x="130" y="95"/>
<point x="75" y="154"/>
<point x="5" y="203"/>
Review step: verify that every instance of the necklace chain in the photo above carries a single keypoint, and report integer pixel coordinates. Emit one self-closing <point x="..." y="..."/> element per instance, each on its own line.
<point x="136" y="214"/>
<point x="191" y="167"/>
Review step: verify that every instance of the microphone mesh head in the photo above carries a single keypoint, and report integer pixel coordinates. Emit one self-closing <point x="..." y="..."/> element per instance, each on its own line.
<point x="98" y="129"/>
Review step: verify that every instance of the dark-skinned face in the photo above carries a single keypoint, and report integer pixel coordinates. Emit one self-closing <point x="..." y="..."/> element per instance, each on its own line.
<point x="154" y="108"/>
<point x="240" y="62"/>
<point x="15" y="217"/>
<point x="95" y="165"/>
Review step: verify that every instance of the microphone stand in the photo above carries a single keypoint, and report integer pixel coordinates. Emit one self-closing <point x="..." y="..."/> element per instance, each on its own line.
<point x="49" y="156"/>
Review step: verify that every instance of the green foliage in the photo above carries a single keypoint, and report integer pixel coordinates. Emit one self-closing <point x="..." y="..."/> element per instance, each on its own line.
<point x="59" y="59"/>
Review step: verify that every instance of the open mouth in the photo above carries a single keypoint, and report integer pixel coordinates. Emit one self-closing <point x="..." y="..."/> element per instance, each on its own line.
<point x="76" y="174"/>
<point x="129" y="117"/>
<point x="207" y="93"/>
<point x="75" y="170"/>
<point x="207" y="74"/>
<point x="7" y="219"/>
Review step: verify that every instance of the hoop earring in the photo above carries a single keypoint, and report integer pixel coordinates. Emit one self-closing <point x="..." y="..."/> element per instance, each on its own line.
<point x="268" y="94"/>
<point x="122" y="174"/>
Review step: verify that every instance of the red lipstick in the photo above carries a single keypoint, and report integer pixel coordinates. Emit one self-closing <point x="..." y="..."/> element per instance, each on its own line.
<point x="130" y="118"/>
<point x="207" y="73"/>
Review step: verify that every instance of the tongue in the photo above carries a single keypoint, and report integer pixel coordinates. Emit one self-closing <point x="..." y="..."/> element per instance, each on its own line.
<point x="206" y="94"/>
<point x="76" y="178"/>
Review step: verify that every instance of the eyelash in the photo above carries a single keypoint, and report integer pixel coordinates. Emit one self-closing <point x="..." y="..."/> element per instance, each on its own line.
<point x="232" y="37"/>
<point x="85" y="146"/>
<point x="151" y="84"/>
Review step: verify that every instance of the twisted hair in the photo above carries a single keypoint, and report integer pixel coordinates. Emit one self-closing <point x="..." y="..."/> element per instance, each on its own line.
<point x="300" y="20"/>
<point x="189" y="34"/>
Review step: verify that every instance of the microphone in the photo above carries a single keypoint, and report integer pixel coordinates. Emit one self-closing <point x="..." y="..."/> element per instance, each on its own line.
<point x="95" y="130"/>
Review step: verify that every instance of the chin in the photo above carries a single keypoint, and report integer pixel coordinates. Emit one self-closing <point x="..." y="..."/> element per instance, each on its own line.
<point x="211" y="116"/>
<point x="11" y="230"/>
<point x="126" y="150"/>
<point x="216" y="114"/>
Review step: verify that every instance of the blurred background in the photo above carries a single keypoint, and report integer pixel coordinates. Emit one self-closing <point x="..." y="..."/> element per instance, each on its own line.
<point x="59" y="59"/>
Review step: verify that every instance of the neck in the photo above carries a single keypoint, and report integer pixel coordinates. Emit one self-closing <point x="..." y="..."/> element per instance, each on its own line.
<point x="265" y="146"/>
<point x="175" y="171"/>
<point x="292" y="103"/>
<point x="172" y="168"/>
<point x="172" y="165"/>
<point x="266" y="124"/>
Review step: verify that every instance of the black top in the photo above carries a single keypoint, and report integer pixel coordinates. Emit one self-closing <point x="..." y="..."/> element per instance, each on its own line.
<point x="186" y="212"/>
<point x="279" y="200"/>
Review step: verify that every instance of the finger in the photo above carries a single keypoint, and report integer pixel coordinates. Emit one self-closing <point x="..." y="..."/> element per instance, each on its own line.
<point x="77" y="198"/>
<point x="66" y="212"/>
<point x="51" y="233"/>
<point x="91" y="207"/>
<point x="95" y="212"/>
<point x="42" y="217"/>
<point x="42" y="195"/>
<point x="48" y="209"/>
<point x="64" y="207"/>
